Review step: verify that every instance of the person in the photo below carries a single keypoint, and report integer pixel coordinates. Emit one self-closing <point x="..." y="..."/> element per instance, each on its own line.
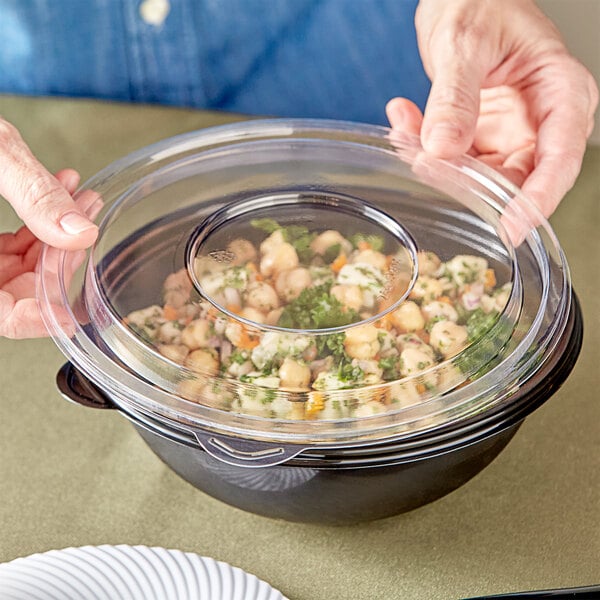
<point x="504" y="88"/>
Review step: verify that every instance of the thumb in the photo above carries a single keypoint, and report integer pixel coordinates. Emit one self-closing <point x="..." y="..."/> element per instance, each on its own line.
<point x="41" y="200"/>
<point x="452" y="108"/>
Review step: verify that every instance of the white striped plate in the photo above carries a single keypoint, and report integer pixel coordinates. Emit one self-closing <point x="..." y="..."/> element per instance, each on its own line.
<point x="127" y="573"/>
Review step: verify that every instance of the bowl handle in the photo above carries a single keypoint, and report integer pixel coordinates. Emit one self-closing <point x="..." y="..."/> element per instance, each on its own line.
<point x="77" y="389"/>
<point x="246" y="453"/>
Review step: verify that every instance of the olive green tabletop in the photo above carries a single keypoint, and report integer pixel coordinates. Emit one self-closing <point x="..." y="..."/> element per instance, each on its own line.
<point x="71" y="476"/>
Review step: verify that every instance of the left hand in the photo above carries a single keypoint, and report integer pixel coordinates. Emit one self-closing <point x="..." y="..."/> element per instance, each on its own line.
<point x="19" y="253"/>
<point x="504" y="89"/>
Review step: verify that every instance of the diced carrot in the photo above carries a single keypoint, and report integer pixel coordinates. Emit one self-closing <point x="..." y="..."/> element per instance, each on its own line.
<point x="423" y="335"/>
<point x="338" y="263"/>
<point x="421" y="388"/>
<point x="315" y="404"/>
<point x="490" y="279"/>
<point x="246" y="341"/>
<point x="363" y="245"/>
<point x="258" y="276"/>
<point x="233" y="308"/>
<point x="170" y="313"/>
<point x="385" y="322"/>
<point x="444" y="299"/>
<point x="251" y="267"/>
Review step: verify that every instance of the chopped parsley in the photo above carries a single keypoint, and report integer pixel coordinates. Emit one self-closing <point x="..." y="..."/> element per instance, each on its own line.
<point x="376" y="242"/>
<point x="316" y="308"/>
<point x="296" y="235"/>
<point x="238" y="356"/>
<point x="268" y="396"/>
<point x="479" y="322"/>
<point x="332" y="253"/>
<point x="350" y="373"/>
<point x="391" y="367"/>
<point x="488" y="334"/>
<point x="332" y="345"/>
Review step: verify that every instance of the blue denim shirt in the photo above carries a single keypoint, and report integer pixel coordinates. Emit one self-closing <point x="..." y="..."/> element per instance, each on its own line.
<point x="296" y="58"/>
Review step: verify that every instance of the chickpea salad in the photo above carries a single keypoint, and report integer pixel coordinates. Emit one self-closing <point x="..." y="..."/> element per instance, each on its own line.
<point x="294" y="279"/>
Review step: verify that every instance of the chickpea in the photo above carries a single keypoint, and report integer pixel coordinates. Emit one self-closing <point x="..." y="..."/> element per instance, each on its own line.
<point x="272" y="242"/>
<point x="410" y="340"/>
<point x="238" y="334"/>
<point x="426" y="289"/>
<point x="273" y="316"/>
<point x="448" y="338"/>
<point x="152" y="314"/>
<point x="242" y="252"/>
<point x="407" y="317"/>
<point x="327" y="239"/>
<point x="488" y="303"/>
<point x="370" y="368"/>
<point x="237" y="370"/>
<point x="414" y="360"/>
<point x="210" y="394"/>
<point x="371" y="257"/>
<point x="170" y="333"/>
<point x="252" y="314"/>
<point x="362" y="334"/>
<point x="465" y="269"/>
<point x="203" y="361"/>
<point x="362" y="342"/>
<point x="502" y="297"/>
<point x="197" y="334"/>
<point x="449" y="377"/>
<point x="404" y="393"/>
<point x="290" y="283"/>
<point x="233" y="332"/>
<point x="349" y="295"/>
<point x="441" y="310"/>
<point x="174" y="352"/>
<point x="262" y="296"/>
<point x="294" y="375"/>
<point x="191" y="389"/>
<point x="280" y="258"/>
<point x="429" y="262"/>
<point x="214" y="394"/>
<point x="177" y="288"/>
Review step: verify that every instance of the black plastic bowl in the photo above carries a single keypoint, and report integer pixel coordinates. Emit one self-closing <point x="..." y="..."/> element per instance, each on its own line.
<point x="343" y="486"/>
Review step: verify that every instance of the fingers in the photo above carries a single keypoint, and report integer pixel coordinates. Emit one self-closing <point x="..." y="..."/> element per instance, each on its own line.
<point x="561" y="144"/>
<point x="12" y="265"/>
<point x="16" y="243"/>
<point x="69" y="179"/>
<point x="20" y="319"/>
<point x="460" y="45"/>
<point x="404" y="115"/>
<point x="43" y="201"/>
<point x="450" y="119"/>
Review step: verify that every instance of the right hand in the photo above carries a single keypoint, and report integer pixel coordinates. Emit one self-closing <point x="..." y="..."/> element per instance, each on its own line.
<point x="44" y="202"/>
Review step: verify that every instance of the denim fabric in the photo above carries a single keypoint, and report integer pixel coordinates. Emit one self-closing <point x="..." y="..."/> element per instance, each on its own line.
<point x="297" y="58"/>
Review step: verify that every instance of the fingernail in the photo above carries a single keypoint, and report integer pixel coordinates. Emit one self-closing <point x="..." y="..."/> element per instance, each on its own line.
<point x="73" y="223"/>
<point x="444" y="132"/>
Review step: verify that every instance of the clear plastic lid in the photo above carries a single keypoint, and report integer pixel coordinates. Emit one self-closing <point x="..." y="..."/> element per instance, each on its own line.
<point x="311" y="282"/>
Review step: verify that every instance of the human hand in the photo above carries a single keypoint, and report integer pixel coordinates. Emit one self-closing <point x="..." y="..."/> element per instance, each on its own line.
<point x="504" y="89"/>
<point x="44" y="202"/>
